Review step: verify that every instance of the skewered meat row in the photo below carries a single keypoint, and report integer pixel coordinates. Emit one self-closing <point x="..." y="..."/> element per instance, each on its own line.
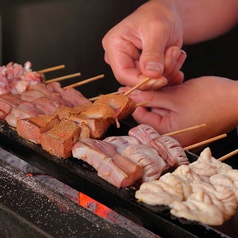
<point x="41" y="99"/>
<point x="203" y="191"/>
<point x="15" y="78"/>
<point x="82" y="121"/>
<point x="131" y="151"/>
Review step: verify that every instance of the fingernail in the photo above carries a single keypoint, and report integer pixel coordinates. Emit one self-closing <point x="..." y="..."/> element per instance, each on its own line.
<point x="176" y="53"/>
<point x="154" y="66"/>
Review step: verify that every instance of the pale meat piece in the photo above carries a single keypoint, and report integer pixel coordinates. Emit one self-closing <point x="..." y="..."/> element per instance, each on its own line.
<point x="122" y="104"/>
<point x="5" y="109"/>
<point x="109" y="165"/>
<point x="98" y="118"/>
<point x="12" y="99"/>
<point x="46" y="105"/>
<point x="32" y="94"/>
<point x="148" y="158"/>
<point x="218" y="195"/>
<point x="31" y="128"/>
<point x="24" y="110"/>
<point x="71" y="95"/>
<point x="186" y="177"/>
<point x="168" y="148"/>
<point x="206" y="165"/>
<point x="59" y="141"/>
<point x="121" y="142"/>
<point x="174" y="149"/>
<point x="7" y="101"/>
<point x="144" y="133"/>
<point x="161" y="192"/>
<point x="198" y="210"/>
<point x="75" y="97"/>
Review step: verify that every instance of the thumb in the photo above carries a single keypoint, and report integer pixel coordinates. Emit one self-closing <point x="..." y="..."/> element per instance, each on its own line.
<point x="152" y="56"/>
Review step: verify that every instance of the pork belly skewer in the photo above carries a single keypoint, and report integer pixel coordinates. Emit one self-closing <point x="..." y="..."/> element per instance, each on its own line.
<point x="110" y="165"/>
<point x="42" y="71"/>
<point x="167" y="147"/>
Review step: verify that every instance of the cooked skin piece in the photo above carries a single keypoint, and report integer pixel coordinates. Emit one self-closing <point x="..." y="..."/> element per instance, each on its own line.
<point x="110" y="165"/>
<point x="59" y="141"/>
<point x="121" y="142"/>
<point x="24" y="110"/>
<point x="163" y="191"/>
<point x="210" y="198"/>
<point x="186" y="176"/>
<point x="207" y="166"/>
<point x="31" y="128"/>
<point x="123" y="105"/>
<point x="219" y="195"/>
<point x="196" y="210"/>
<point x="148" y="158"/>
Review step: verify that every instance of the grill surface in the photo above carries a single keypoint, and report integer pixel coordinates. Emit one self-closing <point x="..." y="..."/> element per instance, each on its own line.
<point x="82" y="177"/>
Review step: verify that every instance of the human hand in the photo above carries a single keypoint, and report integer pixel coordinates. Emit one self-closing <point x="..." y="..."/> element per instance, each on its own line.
<point x="209" y="99"/>
<point x="141" y="46"/>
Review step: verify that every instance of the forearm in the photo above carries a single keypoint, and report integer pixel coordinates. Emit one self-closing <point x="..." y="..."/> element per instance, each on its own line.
<point x="204" y="19"/>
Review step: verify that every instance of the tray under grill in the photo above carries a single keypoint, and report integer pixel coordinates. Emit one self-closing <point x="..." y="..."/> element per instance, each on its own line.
<point x="82" y="177"/>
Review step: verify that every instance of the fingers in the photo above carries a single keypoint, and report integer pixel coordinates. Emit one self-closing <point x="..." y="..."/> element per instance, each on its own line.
<point x="174" y="59"/>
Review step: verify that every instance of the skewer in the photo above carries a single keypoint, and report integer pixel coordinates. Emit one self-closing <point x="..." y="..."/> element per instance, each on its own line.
<point x="185" y="130"/>
<point x="141" y="104"/>
<point x="51" y="69"/>
<point x="228" y="155"/>
<point x="204" y="142"/>
<point x="85" y="81"/>
<point x="137" y="86"/>
<point x="95" y="98"/>
<point x="63" y="78"/>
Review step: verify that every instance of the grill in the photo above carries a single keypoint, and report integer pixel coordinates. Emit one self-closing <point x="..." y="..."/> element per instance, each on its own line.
<point x="80" y="176"/>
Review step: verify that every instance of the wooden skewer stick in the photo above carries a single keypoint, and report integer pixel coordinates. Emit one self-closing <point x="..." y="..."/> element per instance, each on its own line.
<point x="85" y="81"/>
<point x="63" y="78"/>
<point x="95" y="98"/>
<point x="51" y="69"/>
<point x="137" y="86"/>
<point x="204" y="142"/>
<point x="185" y="130"/>
<point x="141" y="104"/>
<point x="228" y="155"/>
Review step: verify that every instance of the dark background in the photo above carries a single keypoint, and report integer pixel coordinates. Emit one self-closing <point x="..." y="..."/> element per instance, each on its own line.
<point x="54" y="32"/>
